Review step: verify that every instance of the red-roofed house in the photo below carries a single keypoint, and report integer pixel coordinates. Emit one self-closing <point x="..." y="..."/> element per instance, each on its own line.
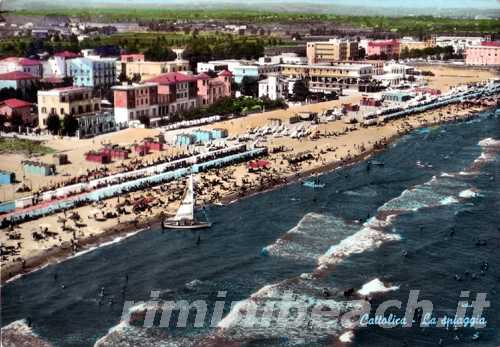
<point x="177" y="92"/>
<point x="211" y="89"/>
<point x="15" y="107"/>
<point x="17" y="80"/>
<point x="31" y="66"/>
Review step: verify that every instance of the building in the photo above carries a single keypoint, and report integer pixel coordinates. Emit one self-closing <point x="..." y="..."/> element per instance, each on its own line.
<point x="328" y="78"/>
<point x="485" y="54"/>
<point x="135" y="101"/>
<point x="93" y="71"/>
<point x="17" y="80"/>
<point x="285" y="58"/>
<point x="387" y="48"/>
<point x="459" y="43"/>
<point x="150" y="69"/>
<point x="94" y="124"/>
<point x="241" y="68"/>
<point x="61" y="101"/>
<point x="211" y="89"/>
<point x="7" y="177"/>
<point x="273" y="87"/>
<point x="254" y="70"/>
<point x="38" y="168"/>
<point x="409" y="43"/>
<point x="220" y="65"/>
<point x="396" y="96"/>
<point x="58" y="64"/>
<point x="129" y="58"/>
<point x="177" y="93"/>
<point x="33" y="67"/>
<point x="17" y="108"/>
<point x="331" y="51"/>
<point x="121" y="65"/>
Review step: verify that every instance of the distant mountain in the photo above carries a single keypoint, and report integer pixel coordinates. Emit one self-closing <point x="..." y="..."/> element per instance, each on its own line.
<point x="455" y="8"/>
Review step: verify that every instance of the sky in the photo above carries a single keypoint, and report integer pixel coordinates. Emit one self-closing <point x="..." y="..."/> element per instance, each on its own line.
<point x="429" y="5"/>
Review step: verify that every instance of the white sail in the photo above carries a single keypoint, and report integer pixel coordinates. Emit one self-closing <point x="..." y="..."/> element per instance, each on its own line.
<point x="186" y="210"/>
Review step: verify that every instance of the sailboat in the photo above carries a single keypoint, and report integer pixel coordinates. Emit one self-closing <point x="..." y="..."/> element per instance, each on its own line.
<point x="184" y="218"/>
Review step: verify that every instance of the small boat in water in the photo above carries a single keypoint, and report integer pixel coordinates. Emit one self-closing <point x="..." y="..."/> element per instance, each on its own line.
<point x="376" y="163"/>
<point x="184" y="218"/>
<point x="314" y="183"/>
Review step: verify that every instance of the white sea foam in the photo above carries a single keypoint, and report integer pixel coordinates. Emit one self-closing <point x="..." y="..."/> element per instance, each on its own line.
<point x="468" y="193"/>
<point x="193" y="284"/>
<point x="449" y="200"/>
<point x="19" y="333"/>
<point x="375" y="286"/>
<point x="445" y="174"/>
<point x="269" y="313"/>
<point x="366" y="239"/>
<point x="19" y="326"/>
<point x="105" y="244"/>
<point x="306" y="240"/>
<point x="346" y="337"/>
<point x="489" y="142"/>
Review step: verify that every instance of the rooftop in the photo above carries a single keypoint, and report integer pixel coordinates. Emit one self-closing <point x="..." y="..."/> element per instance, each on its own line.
<point x="172" y="78"/>
<point x="21" y="61"/>
<point x="17" y="76"/>
<point x="134" y="86"/>
<point x="16" y="103"/>
<point x="57" y="91"/>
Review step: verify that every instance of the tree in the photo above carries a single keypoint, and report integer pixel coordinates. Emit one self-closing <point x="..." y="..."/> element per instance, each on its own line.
<point x="16" y="120"/>
<point x="53" y="123"/>
<point x="249" y="86"/>
<point x="145" y="120"/>
<point x="70" y="125"/>
<point x="300" y="91"/>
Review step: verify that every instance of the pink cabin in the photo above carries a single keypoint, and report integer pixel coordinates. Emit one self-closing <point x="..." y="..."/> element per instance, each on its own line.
<point x="98" y="157"/>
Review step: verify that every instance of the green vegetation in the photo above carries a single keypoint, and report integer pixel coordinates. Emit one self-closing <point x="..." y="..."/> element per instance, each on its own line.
<point x="239" y="106"/>
<point x="20" y="146"/>
<point x="156" y="46"/>
<point x="444" y="52"/>
<point x="414" y="25"/>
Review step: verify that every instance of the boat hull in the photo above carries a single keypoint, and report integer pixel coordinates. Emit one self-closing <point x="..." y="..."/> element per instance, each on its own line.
<point x="195" y="225"/>
<point x="313" y="185"/>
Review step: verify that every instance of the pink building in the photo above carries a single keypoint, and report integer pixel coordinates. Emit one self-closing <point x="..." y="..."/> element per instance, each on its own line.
<point x="16" y="107"/>
<point x="135" y="101"/>
<point x="33" y="67"/>
<point x="177" y="92"/>
<point x="488" y="53"/>
<point x="211" y="89"/>
<point x="389" y="48"/>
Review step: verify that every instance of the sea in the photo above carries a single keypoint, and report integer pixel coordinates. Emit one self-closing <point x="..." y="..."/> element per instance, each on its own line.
<point x="426" y="219"/>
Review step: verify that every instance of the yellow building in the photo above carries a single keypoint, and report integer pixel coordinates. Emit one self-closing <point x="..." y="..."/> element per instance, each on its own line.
<point x="151" y="69"/>
<point x="331" y="51"/>
<point x="61" y="101"/>
<point x="410" y="43"/>
<point x="326" y="78"/>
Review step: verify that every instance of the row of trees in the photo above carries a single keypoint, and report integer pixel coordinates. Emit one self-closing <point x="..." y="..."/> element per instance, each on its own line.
<point x="443" y="53"/>
<point x="67" y="126"/>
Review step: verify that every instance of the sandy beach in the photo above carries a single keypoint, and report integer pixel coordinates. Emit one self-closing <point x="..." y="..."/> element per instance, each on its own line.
<point x="335" y="144"/>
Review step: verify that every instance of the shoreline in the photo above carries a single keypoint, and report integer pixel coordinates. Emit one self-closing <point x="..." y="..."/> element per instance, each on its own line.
<point x="57" y="254"/>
